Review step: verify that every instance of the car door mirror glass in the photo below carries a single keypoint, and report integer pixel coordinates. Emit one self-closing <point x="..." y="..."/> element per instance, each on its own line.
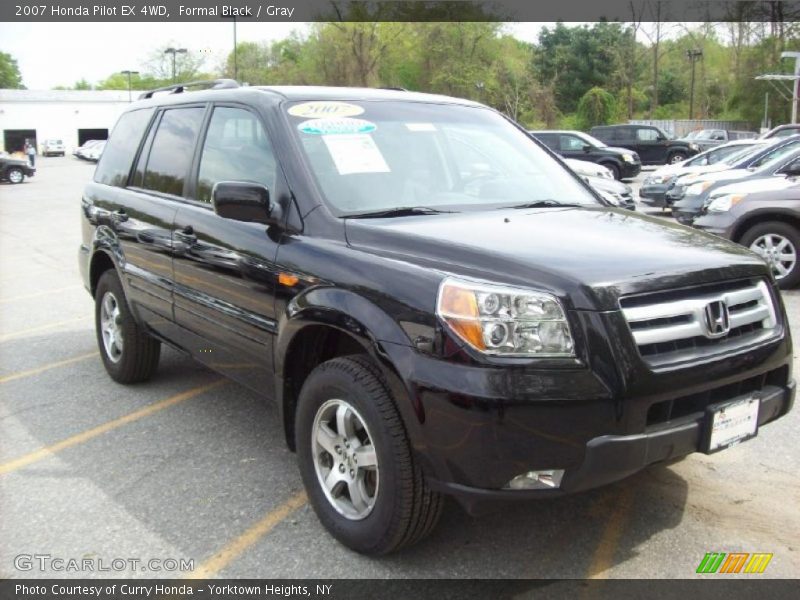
<point x="242" y="201"/>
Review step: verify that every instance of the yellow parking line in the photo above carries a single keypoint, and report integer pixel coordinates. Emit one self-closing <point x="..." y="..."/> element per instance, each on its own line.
<point x="603" y="557"/>
<point x="56" y="325"/>
<point x="38" y="294"/>
<point x="46" y="367"/>
<point x="48" y="451"/>
<point x="234" y="549"/>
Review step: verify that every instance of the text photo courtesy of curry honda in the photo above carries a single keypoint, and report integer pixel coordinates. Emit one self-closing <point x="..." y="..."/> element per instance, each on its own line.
<point x="352" y="295"/>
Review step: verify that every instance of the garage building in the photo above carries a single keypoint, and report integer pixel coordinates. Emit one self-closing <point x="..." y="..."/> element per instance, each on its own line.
<point x="73" y="116"/>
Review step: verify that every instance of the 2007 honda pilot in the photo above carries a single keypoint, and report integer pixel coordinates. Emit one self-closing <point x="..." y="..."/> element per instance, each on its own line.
<point x="433" y="301"/>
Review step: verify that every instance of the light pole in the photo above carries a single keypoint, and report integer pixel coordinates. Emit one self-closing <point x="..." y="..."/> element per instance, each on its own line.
<point x="693" y="55"/>
<point x="129" y="73"/>
<point x="235" y="55"/>
<point x="174" y="51"/>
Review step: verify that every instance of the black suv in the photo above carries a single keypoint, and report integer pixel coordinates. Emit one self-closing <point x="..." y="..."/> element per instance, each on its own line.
<point x="14" y="170"/>
<point x="623" y="163"/>
<point x="651" y="143"/>
<point x="390" y="269"/>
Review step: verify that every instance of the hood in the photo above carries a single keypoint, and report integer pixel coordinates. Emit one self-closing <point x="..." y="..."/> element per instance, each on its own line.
<point x="589" y="256"/>
<point x="608" y="185"/>
<point x="587" y="168"/>
<point x="617" y="150"/>
<point x="759" y="184"/>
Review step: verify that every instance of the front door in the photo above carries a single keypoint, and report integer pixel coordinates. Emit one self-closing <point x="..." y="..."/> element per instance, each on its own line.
<point x="224" y="269"/>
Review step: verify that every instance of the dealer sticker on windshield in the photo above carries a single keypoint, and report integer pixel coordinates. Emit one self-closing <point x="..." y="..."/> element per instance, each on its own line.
<point x="356" y="153"/>
<point x="732" y="423"/>
<point x="336" y="126"/>
<point x="321" y="109"/>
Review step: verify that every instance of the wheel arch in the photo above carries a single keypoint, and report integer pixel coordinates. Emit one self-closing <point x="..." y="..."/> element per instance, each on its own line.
<point x="320" y="326"/>
<point x="763" y="217"/>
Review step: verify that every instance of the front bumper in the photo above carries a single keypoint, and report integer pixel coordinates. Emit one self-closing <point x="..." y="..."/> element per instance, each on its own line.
<point x="629" y="170"/>
<point x="475" y="427"/>
<point x="654" y="194"/>
<point x="688" y="209"/>
<point x="610" y="458"/>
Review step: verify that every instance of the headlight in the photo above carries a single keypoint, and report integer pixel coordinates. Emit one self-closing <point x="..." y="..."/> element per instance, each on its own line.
<point x="505" y="321"/>
<point x="697" y="188"/>
<point x="628" y="158"/>
<point x="694" y="147"/>
<point x="724" y="203"/>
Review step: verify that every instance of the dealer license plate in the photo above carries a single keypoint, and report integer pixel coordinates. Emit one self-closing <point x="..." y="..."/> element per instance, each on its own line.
<point x="732" y="423"/>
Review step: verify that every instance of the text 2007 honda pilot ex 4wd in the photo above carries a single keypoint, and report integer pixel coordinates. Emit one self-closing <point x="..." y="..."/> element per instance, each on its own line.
<point x="434" y="302"/>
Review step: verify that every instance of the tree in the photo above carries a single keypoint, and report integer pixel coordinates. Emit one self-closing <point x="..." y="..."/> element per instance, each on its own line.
<point x="596" y="107"/>
<point x="10" y="77"/>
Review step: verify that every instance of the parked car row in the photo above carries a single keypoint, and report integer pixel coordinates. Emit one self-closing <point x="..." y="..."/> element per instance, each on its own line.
<point x="91" y="150"/>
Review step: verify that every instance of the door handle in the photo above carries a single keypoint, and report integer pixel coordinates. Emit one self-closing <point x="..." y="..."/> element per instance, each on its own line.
<point x="185" y="235"/>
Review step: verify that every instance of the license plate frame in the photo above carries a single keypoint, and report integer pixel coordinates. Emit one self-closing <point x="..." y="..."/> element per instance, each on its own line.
<point x="731" y="422"/>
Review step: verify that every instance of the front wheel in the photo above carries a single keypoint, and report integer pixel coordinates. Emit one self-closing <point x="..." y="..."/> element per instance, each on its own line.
<point x="129" y="353"/>
<point x="356" y="462"/>
<point x="778" y="244"/>
<point x="15" y="175"/>
<point x="676" y="158"/>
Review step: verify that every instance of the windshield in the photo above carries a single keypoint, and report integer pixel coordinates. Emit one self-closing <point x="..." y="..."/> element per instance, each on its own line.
<point x="770" y="158"/>
<point x="371" y="157"/>
<point x="737" y="153"/>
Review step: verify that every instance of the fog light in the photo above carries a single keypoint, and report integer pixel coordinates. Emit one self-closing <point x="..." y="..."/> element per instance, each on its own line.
<point x="537" y="480"/>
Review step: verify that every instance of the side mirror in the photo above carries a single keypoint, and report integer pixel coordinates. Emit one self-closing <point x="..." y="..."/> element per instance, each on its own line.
<point x="242" y="201"/>
<point x="587" y="148"/>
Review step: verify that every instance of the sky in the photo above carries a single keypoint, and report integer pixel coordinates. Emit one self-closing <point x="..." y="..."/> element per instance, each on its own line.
<point x="52" y="54"/>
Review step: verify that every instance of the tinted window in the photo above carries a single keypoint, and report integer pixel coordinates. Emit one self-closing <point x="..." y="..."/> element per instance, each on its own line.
<point x="171" y="154"/>
<point x="647" y="135"/>
<point x="236" y="149"/>
<point x="776" y="154"/>
<point x="115" y="164"/>
<point x="570" y="143"/>
<point x="548" y="139"/>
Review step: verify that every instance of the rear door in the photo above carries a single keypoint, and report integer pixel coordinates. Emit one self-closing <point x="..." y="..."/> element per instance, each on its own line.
<point x="225" y="273"/>
<point x="135" y="226"/>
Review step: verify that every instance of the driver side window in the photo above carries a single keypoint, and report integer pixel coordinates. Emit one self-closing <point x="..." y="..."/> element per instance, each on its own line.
<point x="236" y="148"/>
<point x="570" y="143"/>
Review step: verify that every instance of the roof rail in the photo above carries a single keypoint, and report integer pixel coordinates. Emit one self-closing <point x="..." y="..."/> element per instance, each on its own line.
<point x="394" y="89"/>
<point x="179" y="88"/>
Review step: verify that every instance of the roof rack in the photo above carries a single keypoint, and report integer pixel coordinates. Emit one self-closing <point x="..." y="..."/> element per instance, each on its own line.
<point x="179" y="88"/>
<point x="394" y="89"/>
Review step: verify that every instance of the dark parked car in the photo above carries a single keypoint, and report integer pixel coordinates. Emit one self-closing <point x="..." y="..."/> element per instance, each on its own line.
<point x="15" y="170"/>
<point x="709" y="138"/>
<point x="780" y="168"/>
<point x="435" y="304"/>
<point x="654" y="188"/>
<point x="652" y="144"/>
<point x="623" y="163"/>
<point x="766" y="222"/>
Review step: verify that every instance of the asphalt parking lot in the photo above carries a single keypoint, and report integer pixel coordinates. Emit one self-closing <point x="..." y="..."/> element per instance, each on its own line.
<point x="190" y="467"/>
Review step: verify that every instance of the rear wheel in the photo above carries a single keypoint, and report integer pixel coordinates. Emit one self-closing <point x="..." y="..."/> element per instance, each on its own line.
<point x="15" y="175"/>
<point x="779" y="244"/>
<point x="356" y="461"/>
<point x="129" y="354"/>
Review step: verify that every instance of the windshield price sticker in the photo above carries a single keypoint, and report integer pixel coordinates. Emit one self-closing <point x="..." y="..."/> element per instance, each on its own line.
<point x="321" y="109"/>
<point x="356" y="153"/>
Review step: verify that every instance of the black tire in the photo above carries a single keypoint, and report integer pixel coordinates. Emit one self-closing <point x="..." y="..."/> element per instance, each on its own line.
<point x="15" y="175"/>
<point x="676" y="157"/>
<point x="405" y="510"/>
<point x="787" y="231"/>
<point x="138" y="359"/>
<point x="614" y="170"/>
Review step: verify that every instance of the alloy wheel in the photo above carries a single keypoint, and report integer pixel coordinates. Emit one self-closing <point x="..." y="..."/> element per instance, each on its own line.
<point x="15" y="176"/>
<point x="345" y="459"/>
<point x="111" y="327"/>
<point x="778" y="251"/>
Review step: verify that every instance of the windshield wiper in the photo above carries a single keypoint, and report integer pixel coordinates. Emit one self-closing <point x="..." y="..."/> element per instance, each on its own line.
<point x="544" y="204"/>
<point x="400" y="211"/>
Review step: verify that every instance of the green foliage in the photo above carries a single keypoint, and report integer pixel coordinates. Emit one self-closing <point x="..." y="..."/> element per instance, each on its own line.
<point x="10" y="77"/>
<point x="596" y="107"/>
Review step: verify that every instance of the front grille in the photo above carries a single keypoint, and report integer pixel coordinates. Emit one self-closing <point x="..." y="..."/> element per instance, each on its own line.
<point x="672" y="327"/>
<point x="671" y="410"/>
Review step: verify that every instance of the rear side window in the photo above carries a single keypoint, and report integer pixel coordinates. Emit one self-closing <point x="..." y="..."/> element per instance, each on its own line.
<point x="647" y="135"/>
<point x="236" y="149"/>
<point x="570" y="143"/>
<point x="548" y="139"/>
<point x="115" y="164"/>
<point x="172" y="150"/>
